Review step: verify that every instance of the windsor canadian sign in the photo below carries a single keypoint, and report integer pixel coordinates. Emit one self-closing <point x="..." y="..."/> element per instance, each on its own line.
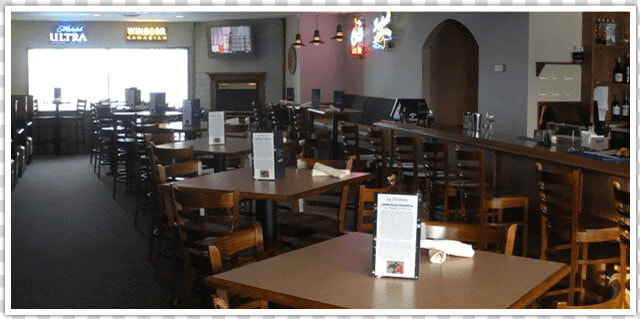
<point x="66" y="33"/>
<point x="147" y="33"/>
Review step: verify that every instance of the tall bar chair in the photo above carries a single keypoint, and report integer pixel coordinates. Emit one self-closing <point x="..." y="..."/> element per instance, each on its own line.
<point x="567" y="233"/>
<point x="76" y="121"/>
<point x="380" y="163"/>
<point x="480" y="203"/>
<point x="350" y="137"/>
<point x="440" y="183"/>
<point x="407" y="153"/>
<point x="624" y="227"/>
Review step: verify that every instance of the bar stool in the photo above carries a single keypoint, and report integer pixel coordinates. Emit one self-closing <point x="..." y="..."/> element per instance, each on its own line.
<point x="470" y="165"/>
<point x="76" y="121"/>
<point x="406" y="153"/>
<point x="624" y="227"/>
<point x="440" y="182"/>
<point x="380" y="162"/>
<point x="43" y="125"/>
<point x="567" y="233"/>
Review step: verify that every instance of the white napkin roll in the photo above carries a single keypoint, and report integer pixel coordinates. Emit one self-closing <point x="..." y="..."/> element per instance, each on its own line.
<point x="437" y="256"/>
<point x="324" y="170"/>
<point x="450" y="247"/>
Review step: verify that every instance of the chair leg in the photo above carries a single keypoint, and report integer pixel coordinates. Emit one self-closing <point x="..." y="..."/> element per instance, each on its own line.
<point x="572" y="275"/>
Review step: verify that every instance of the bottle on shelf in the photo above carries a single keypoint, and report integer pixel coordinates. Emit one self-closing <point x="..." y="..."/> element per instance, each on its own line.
<point x="625" y="108"/>
<point x="610" y="32"/>
<point x="618" y="72"/>
<point x="615" y="109"/>
<point x="599" y="31"/>
<point x="627" y="70"/>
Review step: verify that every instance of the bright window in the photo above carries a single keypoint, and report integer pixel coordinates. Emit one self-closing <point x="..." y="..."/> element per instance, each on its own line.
<point x="96" y="74"/>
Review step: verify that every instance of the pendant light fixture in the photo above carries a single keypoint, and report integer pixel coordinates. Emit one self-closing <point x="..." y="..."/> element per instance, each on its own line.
<point x="316" y="35"/>
<point x="297" y="43"/>
<point x="339" y="34"/>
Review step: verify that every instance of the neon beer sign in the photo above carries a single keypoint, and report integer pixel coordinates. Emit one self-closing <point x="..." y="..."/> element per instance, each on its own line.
<point x="382" y="34"/>
<point x="358" y="48"/>
<point x="66" y="33"/>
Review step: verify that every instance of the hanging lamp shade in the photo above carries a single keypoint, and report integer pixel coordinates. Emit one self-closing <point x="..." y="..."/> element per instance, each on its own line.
<point x="339" y="34"/>
<point x="297" y="43"/>
<point x="316" y="38"/>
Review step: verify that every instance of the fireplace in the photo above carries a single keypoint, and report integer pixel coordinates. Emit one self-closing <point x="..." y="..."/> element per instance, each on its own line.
<point x="235" y="92"/>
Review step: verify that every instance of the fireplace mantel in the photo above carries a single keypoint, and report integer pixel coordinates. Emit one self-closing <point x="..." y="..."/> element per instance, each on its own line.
<point x="227" y="77"/>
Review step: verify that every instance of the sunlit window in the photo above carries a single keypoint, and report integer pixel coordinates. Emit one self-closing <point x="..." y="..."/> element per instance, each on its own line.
<point x="96" y="74"/>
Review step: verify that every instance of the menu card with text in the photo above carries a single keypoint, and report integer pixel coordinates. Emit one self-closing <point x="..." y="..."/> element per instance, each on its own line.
<point x="268" y="156"/>
<point x="216" y="128"/>
<point x="396" y="237"/>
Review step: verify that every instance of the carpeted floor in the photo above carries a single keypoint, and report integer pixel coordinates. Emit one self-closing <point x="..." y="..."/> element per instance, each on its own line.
<point x="73" y="246"/>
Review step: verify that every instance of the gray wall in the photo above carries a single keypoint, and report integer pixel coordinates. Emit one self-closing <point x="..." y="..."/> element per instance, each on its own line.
<point x="268" y="45"/>
<point x="35" y="34"/>
<point x="502" y="39"/>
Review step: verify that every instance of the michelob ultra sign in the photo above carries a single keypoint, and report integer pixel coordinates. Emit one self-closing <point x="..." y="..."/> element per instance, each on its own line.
<point x="66" y="33"/>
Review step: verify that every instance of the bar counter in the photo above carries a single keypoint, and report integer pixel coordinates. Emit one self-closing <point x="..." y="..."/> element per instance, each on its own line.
<point x="512" y="144"/>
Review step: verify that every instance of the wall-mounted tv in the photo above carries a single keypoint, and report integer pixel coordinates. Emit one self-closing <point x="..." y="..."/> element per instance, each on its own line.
<point x="229" y="40"/>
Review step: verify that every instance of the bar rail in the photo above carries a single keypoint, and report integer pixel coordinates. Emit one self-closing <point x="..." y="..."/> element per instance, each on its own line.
<point x="513" y="145"/>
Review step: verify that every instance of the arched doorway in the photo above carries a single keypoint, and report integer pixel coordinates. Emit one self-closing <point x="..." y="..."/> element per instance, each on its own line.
<point x="450" y="72"/>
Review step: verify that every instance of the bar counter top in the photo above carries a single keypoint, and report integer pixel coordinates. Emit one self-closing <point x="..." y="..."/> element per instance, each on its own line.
<point x="513" y="144"/>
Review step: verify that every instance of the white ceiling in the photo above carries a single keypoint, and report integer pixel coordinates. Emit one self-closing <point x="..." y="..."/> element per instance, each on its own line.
<point x="144" y="16"/>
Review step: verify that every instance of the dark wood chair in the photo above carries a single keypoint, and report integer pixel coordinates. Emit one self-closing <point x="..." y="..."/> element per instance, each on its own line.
<point x="492" y="237"/>
<point x="76" y="121"/>
<point x="235" y="250"/>
<point x="366" y="204"/>
<point x="407" y="151"/>
<point x="349" y="135"/>
<point x="622" y="200"/>
<point x="614" y="298"/>
<point x="315" y="141"/>
<point x="479" y="202"/>
<point x="322" y="216"/>
<point x="381" y="163"/>
<point x="567" y="233"/>
<point x="168" y="156"/>
<point x="202" y="217"/>
<point x="441" y="186"/>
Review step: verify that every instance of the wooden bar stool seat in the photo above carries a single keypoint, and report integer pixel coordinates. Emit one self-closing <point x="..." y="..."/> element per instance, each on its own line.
<point x="479" y="202"/>
<point x="570" y="235"/>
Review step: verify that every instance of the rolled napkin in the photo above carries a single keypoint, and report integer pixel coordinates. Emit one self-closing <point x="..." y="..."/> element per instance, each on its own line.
<point x="436" y="256"/>
<point x="320" y="169"/>
<point x="450" y="247"/>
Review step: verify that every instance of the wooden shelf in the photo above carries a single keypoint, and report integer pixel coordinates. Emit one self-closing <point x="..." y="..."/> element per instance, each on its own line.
<point x="615" y="46"/>
<point x="611" y="84"/>
<point x="540" y="65"/>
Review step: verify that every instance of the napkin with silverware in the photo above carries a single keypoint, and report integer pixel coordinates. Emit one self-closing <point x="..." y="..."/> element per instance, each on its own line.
<point x="439" y="249"/>
<point x="320" y="169"/>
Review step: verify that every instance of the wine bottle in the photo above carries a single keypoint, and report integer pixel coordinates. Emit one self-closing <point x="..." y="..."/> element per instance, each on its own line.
<point x="625" y="108"/>
<point x="615" y="109"/>
<point x="618" y="73"/>
<point x="611" y="32"/>
<point x="627" y="70"/>
<point x="599" y="31"/>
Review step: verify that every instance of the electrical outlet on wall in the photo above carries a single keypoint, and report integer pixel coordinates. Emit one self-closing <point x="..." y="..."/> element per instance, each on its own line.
<point x="500" y="68"/>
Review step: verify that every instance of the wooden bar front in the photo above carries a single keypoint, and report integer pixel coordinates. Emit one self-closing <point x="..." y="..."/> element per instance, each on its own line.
<point x="513" y="161"/>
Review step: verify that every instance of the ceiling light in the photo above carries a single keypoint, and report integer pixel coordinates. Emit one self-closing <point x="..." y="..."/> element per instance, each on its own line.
<point x="297" y="43"/>
<point x="339" y="34"/>
<point x="316" y="35"/>
<point x="97" y="15"/>
<point x="179" y="16"/>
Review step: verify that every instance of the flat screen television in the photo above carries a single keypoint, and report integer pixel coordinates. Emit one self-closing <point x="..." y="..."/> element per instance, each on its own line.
<point x="230" y="40"/>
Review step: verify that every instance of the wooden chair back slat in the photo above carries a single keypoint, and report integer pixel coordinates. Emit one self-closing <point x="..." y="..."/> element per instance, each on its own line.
<point x="480" y="235"/>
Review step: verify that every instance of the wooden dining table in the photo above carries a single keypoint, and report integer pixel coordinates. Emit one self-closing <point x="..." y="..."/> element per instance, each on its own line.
<point x="297" y="184"/>
<point x="233" y="146"/>
<point x="337" y="274"/>
<point x="190" y="131"/>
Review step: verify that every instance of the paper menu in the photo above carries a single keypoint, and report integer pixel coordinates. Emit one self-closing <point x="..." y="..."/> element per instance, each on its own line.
<point x="396" y="239"/>
<point x="216" y="128"/>
<point x="601" y="95"/>
<point x="263" y="156"/>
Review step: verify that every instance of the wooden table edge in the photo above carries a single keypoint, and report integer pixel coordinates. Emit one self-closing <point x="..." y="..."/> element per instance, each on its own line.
<point x="270" y="296"/>
<point x="538" y="290"/>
